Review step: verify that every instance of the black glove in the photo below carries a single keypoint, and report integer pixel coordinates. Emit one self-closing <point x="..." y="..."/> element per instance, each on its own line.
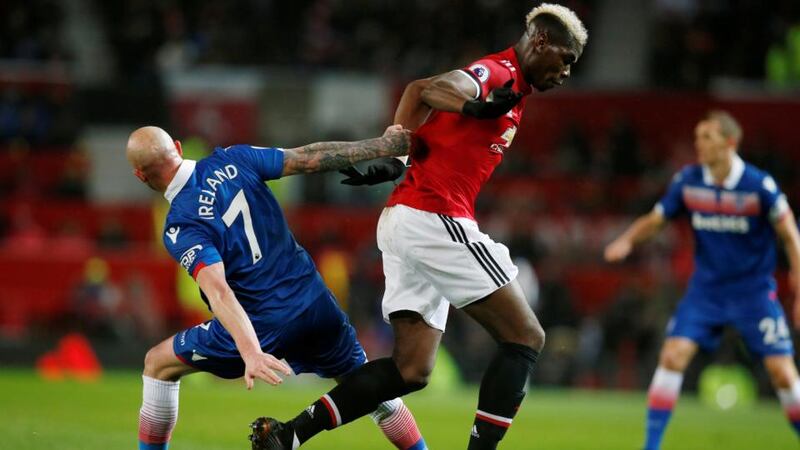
<point x="498" y="102"/>
<point x="387" y="169"/>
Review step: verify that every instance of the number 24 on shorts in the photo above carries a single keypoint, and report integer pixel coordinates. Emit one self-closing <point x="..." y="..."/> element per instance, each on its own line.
<point x="774" y="330"/>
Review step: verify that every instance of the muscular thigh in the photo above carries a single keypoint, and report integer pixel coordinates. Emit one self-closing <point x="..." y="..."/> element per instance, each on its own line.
<point x="161" y="362"/>
<point x="416" y="342"/>
<point x="506" y="315"/>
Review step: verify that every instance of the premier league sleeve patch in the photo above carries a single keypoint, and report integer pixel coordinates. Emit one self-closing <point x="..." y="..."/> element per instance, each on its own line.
<point x="480" y="71"/>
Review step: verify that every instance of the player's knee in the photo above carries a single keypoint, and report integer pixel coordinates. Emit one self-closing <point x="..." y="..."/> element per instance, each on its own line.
<point x="536" y="337"/>
<point x="416" y="375"/>
<point x="417" y="382"/>
<point x="151" y="362"/>
<point x="155" y="367"/>
<point x="673" y="360"/>
<point x="782" y="375"/>
<point x="531" y="334"/>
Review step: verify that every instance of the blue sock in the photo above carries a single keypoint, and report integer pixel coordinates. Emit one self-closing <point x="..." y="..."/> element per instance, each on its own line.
<point x="143" y="446"/>
<point x="657" y="420"/>
<point x="661" y="399"/>
<point x="420" y="445"/>
<point x="796" y="426"/>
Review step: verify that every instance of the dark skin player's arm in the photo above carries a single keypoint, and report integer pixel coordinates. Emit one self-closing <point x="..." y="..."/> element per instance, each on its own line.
<point x="446" y="92"/>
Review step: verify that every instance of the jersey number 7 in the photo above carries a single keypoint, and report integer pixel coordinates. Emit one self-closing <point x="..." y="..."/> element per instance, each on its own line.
<point x="239" y="206"/>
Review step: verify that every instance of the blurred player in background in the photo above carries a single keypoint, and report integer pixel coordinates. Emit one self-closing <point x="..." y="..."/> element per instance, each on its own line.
<point x="434" y="255"/>
<point x="736" y="210"/>
<point x="228" y="231"/>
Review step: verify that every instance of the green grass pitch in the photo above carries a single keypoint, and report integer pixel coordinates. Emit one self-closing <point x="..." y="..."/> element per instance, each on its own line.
<point x="214" y="416"/>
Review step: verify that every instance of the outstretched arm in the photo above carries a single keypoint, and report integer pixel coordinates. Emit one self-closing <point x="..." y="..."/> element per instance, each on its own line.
<point x="640" y="230"/>
<point x="230" y="313"/>
<point x="324" y="156"/>
<point x="786" y="229"/>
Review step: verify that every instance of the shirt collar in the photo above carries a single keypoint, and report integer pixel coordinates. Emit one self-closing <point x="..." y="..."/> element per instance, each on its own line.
<point x="733" y="178"/>
<point x="179" y="180"/>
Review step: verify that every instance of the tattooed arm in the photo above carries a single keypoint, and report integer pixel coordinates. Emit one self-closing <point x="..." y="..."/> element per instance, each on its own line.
<point x="324" y="156"/>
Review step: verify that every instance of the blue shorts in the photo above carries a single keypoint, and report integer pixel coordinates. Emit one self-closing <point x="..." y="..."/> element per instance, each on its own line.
<point x="320" y="340"/>
<point x="757" y="316"/>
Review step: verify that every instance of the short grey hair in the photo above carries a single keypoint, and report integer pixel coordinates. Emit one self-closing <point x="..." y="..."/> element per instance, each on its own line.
<point x="728" y="125"/>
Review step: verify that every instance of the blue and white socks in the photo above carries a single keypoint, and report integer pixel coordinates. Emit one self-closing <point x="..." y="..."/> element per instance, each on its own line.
<point x="661" y="398"/>
<point x="158" y="414"/>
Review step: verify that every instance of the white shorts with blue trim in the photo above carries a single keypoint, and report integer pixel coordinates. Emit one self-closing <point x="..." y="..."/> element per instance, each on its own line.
<point x="432" y="261"/>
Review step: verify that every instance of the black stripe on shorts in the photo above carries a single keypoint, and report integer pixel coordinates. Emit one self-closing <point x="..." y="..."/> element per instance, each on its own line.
<point x="458" y="234"/>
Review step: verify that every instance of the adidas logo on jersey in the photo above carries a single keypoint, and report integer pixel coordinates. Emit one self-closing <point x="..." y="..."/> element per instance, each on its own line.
<point x="310" y="411"/>
<point x="198" y="357"/>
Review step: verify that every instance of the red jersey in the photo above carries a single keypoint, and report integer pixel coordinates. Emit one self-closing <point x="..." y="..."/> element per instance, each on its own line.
<point x="460" y="152"/>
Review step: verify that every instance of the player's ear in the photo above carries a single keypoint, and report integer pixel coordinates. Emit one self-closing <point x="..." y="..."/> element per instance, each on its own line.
<point x="178" y="147"/>
<point x="540" y="40"/>
<point x="138" y="173"/>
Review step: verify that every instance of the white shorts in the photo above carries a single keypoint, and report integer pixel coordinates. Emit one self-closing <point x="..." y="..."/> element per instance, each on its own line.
<point x="430" y="260"/>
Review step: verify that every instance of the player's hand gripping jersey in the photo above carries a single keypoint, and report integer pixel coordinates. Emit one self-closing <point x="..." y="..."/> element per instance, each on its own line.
<point x="732" y="224"/>
<point x="460" y="152"/>
<point x="221" y="210"/>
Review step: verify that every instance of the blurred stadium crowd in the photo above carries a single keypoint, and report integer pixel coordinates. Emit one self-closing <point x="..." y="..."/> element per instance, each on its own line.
<point x="585" y="163"/>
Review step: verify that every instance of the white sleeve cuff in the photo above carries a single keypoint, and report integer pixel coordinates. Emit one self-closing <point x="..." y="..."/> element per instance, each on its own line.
<point x="472" y="79"/>
<point x="780" y="208"/>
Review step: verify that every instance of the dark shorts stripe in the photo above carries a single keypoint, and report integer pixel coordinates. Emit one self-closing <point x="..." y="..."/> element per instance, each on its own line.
<point x="494" y="262"/>
<point x="484" y="254"/>
<point x="458" y="228"/>
<point x="449" y="230"/>
<point x="483" y="264"/>
<point x="458" y="234"/>
<point x="482" y="251"/>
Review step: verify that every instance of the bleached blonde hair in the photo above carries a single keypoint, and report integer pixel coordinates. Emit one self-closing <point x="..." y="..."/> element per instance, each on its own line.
<point x="564" y="15"/>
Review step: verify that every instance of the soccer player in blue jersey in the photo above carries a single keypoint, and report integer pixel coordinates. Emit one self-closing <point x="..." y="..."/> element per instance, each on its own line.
<point x="269" y="302"/>
<point x="735" y="211"/>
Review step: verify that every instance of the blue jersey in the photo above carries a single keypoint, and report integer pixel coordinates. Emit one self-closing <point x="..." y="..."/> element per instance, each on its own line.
<point x="732" y="224"/>
<point x="221" y="210"/>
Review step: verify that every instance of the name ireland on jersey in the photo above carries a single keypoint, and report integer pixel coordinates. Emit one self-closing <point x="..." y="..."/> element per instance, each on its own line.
<point x="209" y="194"/>
<point x="720" y="223"/>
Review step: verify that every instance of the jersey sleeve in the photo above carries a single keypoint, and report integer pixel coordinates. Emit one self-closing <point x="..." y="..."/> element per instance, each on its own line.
<point x="671" y="204"/>
<point x="189" y="244"/>
<point x="487" y="74"/>
<point x="267" y="162"/>
<point x="774" y="201"/>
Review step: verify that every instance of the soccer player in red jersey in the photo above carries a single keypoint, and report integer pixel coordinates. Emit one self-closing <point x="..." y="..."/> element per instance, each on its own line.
<point x="434" y="255"/>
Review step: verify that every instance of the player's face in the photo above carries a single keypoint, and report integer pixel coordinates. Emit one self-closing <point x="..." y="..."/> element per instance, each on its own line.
<point x="548" y="65"/>
<point x="710" y="144"/>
